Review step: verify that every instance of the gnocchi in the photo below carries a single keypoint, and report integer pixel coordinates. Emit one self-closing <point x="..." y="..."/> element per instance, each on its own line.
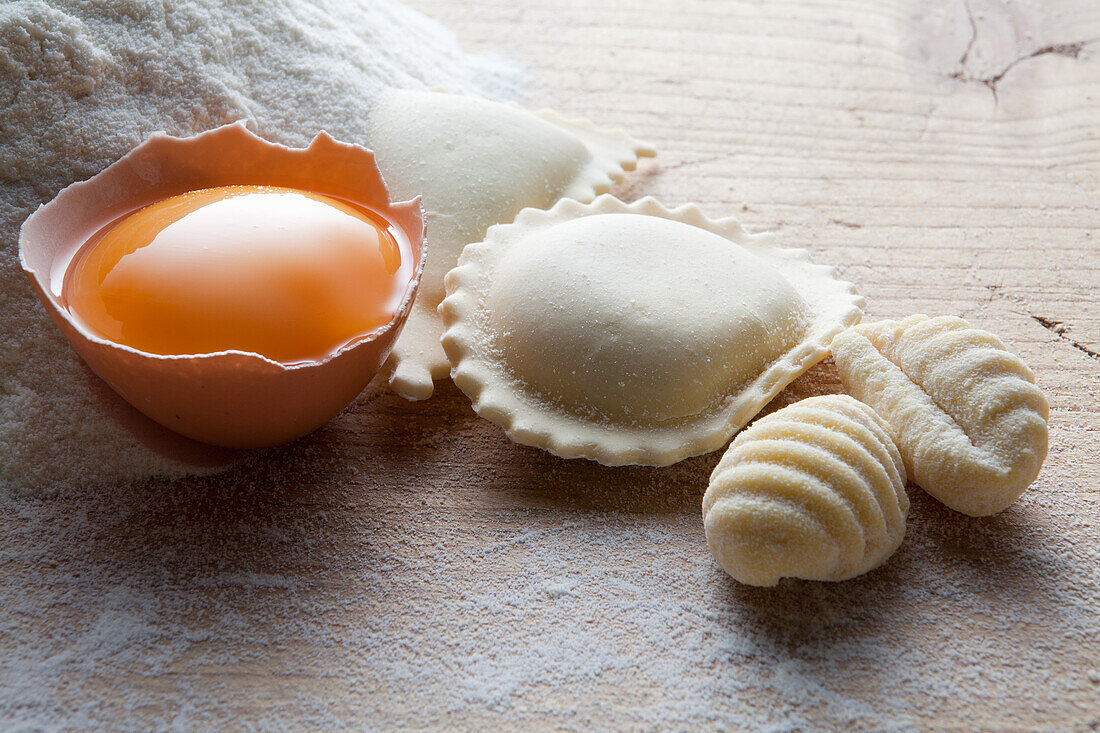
<point x="965" y="412"/>
<point x="814" y="491"/>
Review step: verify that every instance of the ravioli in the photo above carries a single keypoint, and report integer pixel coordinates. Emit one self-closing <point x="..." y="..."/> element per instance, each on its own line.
<point x="966" y="414"/>
<point x="814" y="491"/>
<point x="477" y="163"/>
<point x="632" y="334"/>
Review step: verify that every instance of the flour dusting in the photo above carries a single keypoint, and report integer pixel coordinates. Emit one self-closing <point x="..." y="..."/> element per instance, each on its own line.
<point x="210" y="603"/>
<point x="473" y="584"/>
<point x="85" y="81"/>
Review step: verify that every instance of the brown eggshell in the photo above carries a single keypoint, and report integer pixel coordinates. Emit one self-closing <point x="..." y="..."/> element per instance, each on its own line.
<point x="232" y="399"/>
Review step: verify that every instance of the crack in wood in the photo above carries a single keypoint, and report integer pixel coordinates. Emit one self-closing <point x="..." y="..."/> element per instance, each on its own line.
<point x="1058" y="328"/>
<point x="692" y="162"/>
<point x="849" y="224"/>
<point x="973" y="38"/>
<point x="1069" y="50"/>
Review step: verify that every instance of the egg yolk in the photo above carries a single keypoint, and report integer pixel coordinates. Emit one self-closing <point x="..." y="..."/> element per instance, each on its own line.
<point x="291" y="275"/>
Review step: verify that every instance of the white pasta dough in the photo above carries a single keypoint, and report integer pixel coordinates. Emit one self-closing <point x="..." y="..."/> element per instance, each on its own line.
<point x="631" y="333"/>
<point x="477" y="163"/>
<point x="814" y="491"/>
<point x="965" y="412"/>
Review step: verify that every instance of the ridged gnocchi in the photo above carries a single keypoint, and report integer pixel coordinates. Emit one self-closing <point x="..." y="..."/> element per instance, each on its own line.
<point x="968" y="419"/>
<point x="814" y="491"/>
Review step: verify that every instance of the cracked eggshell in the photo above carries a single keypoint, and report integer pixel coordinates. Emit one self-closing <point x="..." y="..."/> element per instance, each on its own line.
<point x="631" y="333"/>
<point x="230" y="398"/>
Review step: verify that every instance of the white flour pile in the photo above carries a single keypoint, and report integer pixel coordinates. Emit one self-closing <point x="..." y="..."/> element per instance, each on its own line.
<point x="82" y="82"/>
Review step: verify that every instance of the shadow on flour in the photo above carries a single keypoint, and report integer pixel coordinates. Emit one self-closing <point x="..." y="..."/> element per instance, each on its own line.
<point x="316" y="507"/>
<point x="439" y="446"/>
<point x="799" y="615"/>
<point x="1013" y="553"/>
<point x="210" y="559"/>
<point x="533" y="477"/>
<point x="949" y="567"/>
<point x="334" y="499"/>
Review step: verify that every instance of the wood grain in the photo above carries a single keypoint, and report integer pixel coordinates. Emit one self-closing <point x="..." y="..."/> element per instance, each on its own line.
<point x="408" y="567"/>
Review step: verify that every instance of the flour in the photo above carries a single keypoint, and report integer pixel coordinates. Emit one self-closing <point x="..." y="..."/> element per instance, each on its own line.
<point x="518" y="591"/>
<point x="83" y="82"/>
<point x="214" y="604"/>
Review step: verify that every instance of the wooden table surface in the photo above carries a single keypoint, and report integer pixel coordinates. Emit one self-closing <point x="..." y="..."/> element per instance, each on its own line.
<point x="407" y="566"/>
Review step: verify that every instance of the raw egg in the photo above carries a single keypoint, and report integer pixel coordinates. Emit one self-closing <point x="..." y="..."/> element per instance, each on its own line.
<point x="291" y="275"/>
<point x="237" y="292"/>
